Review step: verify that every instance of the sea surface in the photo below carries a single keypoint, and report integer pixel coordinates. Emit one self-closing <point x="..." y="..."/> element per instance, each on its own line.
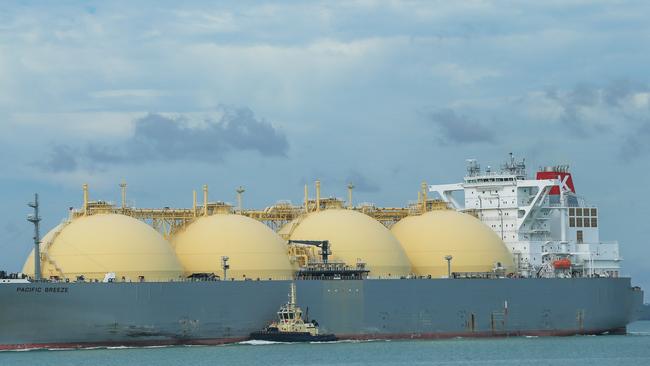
<point x="631" y="349"/>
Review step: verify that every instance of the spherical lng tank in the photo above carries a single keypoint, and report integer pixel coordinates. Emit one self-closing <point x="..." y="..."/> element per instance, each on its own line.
<point x="95" y="245"/>
<point x="254" y="250"/>
<point x="354" y="236"/>
<point x="428" y="238"/>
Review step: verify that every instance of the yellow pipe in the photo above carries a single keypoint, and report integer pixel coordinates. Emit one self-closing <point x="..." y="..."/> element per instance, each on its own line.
<point x="85" y="206"/>
<point x="205" y="200"/>
<point x="424" y="197"/>
<point x="306" y="198"/>
<point x="194" y="202"/>
<point x="318" y="195"/>
<point x="350" y="188"/>
<point x="123" y="187"/>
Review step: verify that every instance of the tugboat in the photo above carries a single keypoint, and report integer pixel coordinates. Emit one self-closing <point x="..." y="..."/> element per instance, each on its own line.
<point x="291" y="327"/>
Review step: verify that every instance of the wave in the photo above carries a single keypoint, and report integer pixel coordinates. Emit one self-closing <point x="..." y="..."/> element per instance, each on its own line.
<point x="642" y="334"/>
<point x="266" y="343"/>
<point x="21" y="350"/>
<point x="254" y="342"/>
<point x="352" y="341"/>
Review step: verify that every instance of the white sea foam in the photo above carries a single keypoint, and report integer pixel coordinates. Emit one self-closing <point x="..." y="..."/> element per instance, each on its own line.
<point x="352" y="341"/>
<point x="259" y="343"/>
<point x="639" y="333"/>
<point x="21" y="350"/>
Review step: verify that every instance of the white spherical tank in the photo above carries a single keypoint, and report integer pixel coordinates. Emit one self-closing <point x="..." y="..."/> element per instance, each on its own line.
<point x="253" y="249"/>
<point x="353" y="237"/>
<point x="95" y="245"/>
<point x="427" y="239"/>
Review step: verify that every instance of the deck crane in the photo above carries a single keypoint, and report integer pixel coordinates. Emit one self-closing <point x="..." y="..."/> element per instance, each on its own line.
<point x="324" y="246"/>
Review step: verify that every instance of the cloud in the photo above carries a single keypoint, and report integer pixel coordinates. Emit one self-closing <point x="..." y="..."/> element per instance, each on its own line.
<point x="614" y="113"/>
<point x="587" y="109"/>
<point x="455" y="128"/>
<point x="464" y="76"/>
<point x="636" y="143"/>
<point x="157" y="137"/>
<point x="362" y="183"/>
<point x="573" y="105"/>
<point x="61" y="159"/>
<point x="128" y="93"/>
<point x="618" y="91"/>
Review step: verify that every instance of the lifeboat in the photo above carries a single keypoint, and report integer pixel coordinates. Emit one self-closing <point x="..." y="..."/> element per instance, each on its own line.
<point x="564" y="263"/>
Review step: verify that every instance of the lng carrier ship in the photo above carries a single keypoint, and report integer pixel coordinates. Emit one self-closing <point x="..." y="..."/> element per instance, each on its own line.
<point x="499" y="254"/>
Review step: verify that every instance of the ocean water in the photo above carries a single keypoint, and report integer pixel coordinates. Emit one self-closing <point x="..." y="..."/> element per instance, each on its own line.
<point x="631" y="349"/>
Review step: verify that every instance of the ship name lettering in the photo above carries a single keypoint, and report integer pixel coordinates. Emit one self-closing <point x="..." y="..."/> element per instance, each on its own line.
<point x="42" y="289"/>
<point x="56" y="289"/>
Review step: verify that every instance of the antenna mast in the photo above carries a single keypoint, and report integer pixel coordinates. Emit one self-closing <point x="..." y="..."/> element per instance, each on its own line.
<point x="239" y="191"/>
<point x="35" y="219"/>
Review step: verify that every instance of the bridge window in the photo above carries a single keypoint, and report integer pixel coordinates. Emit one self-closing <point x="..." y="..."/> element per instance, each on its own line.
<point x="579" y="237"/>
<point x="594" y="222"/>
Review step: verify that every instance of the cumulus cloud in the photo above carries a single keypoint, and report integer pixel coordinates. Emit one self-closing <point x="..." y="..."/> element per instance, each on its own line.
<point x="635" y="144"/>
<point x="588" y="108"/>
<point x="619" y="108"/>
<point x="60" y="159"/>
<point x="461" y="129"/>
<point x="617" y="111"/>
<point x="157" y="137"/>
<point x="575" y="106"/>
<point x="464" y="76"/>
<point x="618" y="91"/>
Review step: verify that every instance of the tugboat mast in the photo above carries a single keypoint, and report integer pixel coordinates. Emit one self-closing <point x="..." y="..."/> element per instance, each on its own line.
<point x="35" y="219"/>
<point x="292" y="294"/>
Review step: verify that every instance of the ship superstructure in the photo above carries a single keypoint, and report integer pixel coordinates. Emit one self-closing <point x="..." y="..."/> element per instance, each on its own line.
<point x="549" y="229"/>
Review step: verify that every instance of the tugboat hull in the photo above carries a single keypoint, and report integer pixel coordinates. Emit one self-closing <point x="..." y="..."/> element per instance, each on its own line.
<point x="291" y="337"/>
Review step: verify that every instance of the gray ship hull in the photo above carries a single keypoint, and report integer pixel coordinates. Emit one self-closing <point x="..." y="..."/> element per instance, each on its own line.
<point x="95" y="314"/>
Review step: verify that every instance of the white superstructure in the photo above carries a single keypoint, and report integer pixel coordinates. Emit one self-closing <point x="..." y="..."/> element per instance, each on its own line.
<point x="549" y="230"/>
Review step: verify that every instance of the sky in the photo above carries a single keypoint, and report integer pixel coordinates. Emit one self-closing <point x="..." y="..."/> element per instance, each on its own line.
<point x="170" y="95"/>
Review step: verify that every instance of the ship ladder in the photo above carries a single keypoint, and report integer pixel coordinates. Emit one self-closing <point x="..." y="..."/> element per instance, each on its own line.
<point x="294" y="225"/>
<point x="46" y="246"/>
<point x="546" y="271"/>
<point x="50" y="260"/>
